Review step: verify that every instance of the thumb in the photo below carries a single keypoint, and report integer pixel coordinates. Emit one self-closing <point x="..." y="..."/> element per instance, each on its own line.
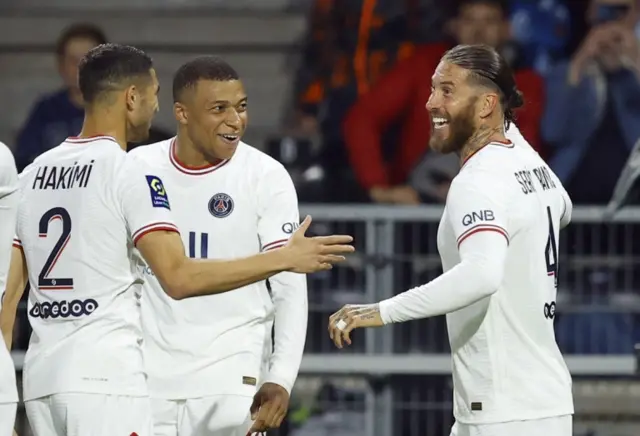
<point x="304" y="226"/>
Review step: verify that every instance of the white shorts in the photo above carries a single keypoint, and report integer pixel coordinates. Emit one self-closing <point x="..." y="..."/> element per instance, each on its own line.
<point x="80" y="414"/>
<point x="7" y="418"/>
<point x="556" y="426"/>
<point x="219" y="415"/>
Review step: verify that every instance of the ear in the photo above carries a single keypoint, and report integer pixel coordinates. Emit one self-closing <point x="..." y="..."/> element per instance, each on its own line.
<point x="489" y="102"/>
<point x="181" y="113"/>
<point x="131" y="96"/>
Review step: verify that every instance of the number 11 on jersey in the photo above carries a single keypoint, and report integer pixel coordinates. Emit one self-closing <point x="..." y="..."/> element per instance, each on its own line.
<point x="551" y="250"/>
<point x="202" y="240"/>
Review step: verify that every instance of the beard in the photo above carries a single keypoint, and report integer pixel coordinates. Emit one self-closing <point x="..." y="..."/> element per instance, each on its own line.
<point x="460" y="128"/>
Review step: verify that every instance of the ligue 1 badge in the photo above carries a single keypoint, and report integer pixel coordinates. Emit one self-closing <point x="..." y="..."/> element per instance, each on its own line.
<point x="221" y="205"/>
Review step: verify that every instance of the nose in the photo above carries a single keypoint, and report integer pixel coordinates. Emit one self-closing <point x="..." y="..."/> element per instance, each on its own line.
<point x="233" y="118"/>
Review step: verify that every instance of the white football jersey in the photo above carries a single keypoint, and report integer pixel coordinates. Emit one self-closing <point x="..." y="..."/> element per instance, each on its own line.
<point x="8" y="211"/>
<point x="215" y="344"/>
<point x="506" y="363"/>
<point x="83" y="204"/>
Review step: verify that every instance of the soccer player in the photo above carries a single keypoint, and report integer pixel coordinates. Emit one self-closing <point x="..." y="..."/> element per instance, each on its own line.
<point x="204" y="356"/>
<point x="8" y="213"/>
<point x="83" y="207"/>
<point x="498" y="240"/>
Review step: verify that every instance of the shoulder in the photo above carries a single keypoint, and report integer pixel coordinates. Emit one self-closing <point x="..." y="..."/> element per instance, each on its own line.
<point x="7" y="161"/>
<point x="261" y="163"/>
<point x="488" y="171"/>
<point x="8" y="171"/>
<point x="151" y="152"/>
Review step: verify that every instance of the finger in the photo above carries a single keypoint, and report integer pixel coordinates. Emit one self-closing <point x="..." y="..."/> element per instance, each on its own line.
<point x="337" y="337"/>
<point x="331" y="258"/>
<point x="336" y="249"/>
<point x="333" y="239"/>
<point x="304" y="226"/>
<point x="280" y="418"/>
<point x="274" y="411"/>
<point x="346" y="332"/>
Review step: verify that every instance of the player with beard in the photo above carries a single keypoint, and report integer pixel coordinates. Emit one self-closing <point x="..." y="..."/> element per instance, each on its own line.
<point x="498" y="245"/>
<point x="83" y="207"/>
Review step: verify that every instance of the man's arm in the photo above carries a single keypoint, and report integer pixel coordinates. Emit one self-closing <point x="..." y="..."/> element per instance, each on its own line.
<point x="182" y="277"/>
<point x="9" y="196"/>
<point x="145" y="205"/>
<point x="278" y="216"/>
<point x="374" y="112"/>
<point x="370" y="116"/>
<point x="16" y="284"/>
<point x="483" y="249"/>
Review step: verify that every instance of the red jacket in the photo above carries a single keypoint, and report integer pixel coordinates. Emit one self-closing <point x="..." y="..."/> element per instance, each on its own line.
<point x="401" y="95"/>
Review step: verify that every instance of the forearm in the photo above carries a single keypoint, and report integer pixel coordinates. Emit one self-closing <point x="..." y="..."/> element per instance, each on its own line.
<point x="198" y="277"/>
<point x="291" y="305"/>
<point x="477" y="276"/>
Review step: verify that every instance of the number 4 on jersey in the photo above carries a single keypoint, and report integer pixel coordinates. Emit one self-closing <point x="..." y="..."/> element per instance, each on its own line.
<point x="44" y="281"/>
<point x="551" y="250"/>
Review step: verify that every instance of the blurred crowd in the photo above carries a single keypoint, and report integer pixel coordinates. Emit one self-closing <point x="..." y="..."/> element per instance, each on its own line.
<point x="364" y="78"/>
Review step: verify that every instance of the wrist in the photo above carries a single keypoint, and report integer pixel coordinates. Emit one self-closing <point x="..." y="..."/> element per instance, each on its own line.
<point x="279" y="259"/>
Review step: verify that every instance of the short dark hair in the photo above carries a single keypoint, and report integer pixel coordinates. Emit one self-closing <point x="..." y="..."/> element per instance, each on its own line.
<point x="201" y="68"/>
<point x="108" y="67"/>
<point x="79" y="31"/>
<point x="500" y="4"/>
<point x="488" y="68"/>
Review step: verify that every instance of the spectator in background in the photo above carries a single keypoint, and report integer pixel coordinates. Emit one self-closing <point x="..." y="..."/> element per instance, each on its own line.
<point x="593" y="105"/>
<point x="387" y="131"/>
<point x="542" y="30"/>
<point x="59" y="115"/>
<point x="350" y="45"/>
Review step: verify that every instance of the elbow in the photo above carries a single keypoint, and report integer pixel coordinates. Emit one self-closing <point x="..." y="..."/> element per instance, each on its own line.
<point x="488" y="279"/>
<point x="177" y="286"/>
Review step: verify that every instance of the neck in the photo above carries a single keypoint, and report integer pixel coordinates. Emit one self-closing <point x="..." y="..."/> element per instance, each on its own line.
<point x="483" y="135"/>
<point x="188" y="154"/>
<point x="99" y="121"/>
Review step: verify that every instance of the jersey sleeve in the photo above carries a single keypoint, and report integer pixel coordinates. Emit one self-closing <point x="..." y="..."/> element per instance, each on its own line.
<point x="278" y="215"/>
<point x="9" y="195"/>
<point x="477" y="204"/>
<point x="143" y="199"/>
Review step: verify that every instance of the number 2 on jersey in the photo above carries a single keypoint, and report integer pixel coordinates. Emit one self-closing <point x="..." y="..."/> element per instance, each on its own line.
<point x="551" y="250"/>
<point x="44" y="281"/>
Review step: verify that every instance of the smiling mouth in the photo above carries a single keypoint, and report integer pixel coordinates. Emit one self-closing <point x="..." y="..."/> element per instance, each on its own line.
<point x="229" y="138"/>
<point x="439" y="123"/>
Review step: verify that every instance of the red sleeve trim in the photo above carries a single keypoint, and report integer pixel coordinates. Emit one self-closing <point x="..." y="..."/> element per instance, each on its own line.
<point x="17" y="243"/>
<point x="482" y="228"/>
<point x="275" y="244"/>
<point x="153" y="227"/>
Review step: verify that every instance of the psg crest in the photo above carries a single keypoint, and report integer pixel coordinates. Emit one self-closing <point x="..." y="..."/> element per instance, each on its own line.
<point x="221" y="205"/>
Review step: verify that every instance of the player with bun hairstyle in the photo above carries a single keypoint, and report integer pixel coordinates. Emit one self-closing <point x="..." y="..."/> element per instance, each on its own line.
<point x="498" y="239"/>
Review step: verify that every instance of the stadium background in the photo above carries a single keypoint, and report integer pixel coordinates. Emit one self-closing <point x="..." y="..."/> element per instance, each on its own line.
<point x="396" y="380"/>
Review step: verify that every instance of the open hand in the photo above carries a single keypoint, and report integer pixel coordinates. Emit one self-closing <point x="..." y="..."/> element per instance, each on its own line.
<point x="351" y="317"/>
<point x="269" y="407"/>
<point x="309" y="255"/>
